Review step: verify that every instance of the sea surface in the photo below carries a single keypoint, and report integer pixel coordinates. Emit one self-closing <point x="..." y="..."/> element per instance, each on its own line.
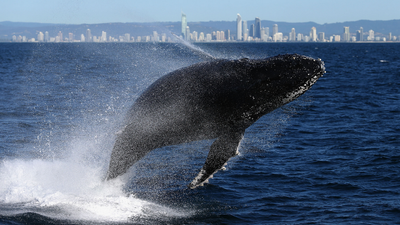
<point x="332" y="156"/>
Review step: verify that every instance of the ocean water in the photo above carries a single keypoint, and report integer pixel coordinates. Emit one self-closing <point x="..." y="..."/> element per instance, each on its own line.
<point x="332" y="156"/>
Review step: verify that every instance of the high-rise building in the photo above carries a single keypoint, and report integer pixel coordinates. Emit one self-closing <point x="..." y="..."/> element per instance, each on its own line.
<point x="60" y="36"/>
<point x="88" y="36"/>
<point x="321" y="36"/>
<point x="239" y="27"/>
<point x="346" y="34"/>
<point x="195" y="36"/>
<point x="251" y="31"/>
<point x="278" y="37"/>
<point x="292" y="35"/>
<point x="155" y="36"/>
<point x="82" y="38"/>
<point x="187" y="35"/>
<point x="40" y="37"/>
<point x="103" y="36"/>
<point x="390" y="36"/>
<point x="127" y="37"/>
<point x="214" y="35"/>
<point x="201" y="36"/>
<point x="245" y="30"/>
<point x="336" y="38"/>
<point x="208" y="37"/>
<point x="46" y="36"/>
<point x="264" y="37"/>
<point x="257" y="28"/>
<point x="299" y="37"/>
<point x="183" y="26"/>
<point x="70" y="37"/>
<point x="228" y="35"/>
<point x="313" y="34"/>
<point x="266" y="32"/>
<point x="274" y="29"/>
<point x="358" y="35"/>
<point x="371" y="35"/>
<point x="361" y="34"/>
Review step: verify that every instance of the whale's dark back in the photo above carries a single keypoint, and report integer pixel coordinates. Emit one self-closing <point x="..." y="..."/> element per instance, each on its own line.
<point x="211" y="100"/>
<point x="212" y="97"/>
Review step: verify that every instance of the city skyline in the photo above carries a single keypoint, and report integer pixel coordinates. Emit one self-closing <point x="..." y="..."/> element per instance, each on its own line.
<point x="256" y="33"/>
<point x="102" y="11"/>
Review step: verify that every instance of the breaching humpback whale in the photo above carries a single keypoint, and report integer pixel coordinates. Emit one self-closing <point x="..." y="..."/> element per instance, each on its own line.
<point x="218" y="100"/>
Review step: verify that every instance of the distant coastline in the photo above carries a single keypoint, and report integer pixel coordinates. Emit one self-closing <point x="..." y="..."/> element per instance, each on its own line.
<point x="384" y="31"/>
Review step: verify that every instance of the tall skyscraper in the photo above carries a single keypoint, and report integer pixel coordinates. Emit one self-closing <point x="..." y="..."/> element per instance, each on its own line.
<point x="346" y="34"/>
<point x="46" y="36"/>
<point x="371" y="36"/>
<point x="321" y="36"/>
<point x="245" y="30"/>
<point x="218" y="37"/>
<point x="201" y="36"/>
<point x="358" y="35"/>
<point x="103" y="36"/>
<point x="251" y="31"/>
<point x="40" y="37"/>
<point x="127" y="37"/>
<point x="263" y="37"/>
<point x="292" y="36"/>
<point x="187" y="33"/>
<point x="228" y="35"/>
<point x="362" y="34"/>
<point x="313" y="34"/>
<point x="299" y="37"/>
<point x="183" y="26"/>
<point x="257" y="28"/>
<point x="195" y="36"/>
<point x="70" y="37"/>
<point x="266" y="31"/>
<point x="239" y="27"/>
<point x="274" y="29"/>
<point x="156" y="37"/>
<point x="60" y="36"/>
<point x="278" y="37"/>
<point x="88" y="35"/>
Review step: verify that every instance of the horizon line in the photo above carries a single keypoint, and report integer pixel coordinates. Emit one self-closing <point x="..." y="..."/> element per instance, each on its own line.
<point x="233" y="21"/>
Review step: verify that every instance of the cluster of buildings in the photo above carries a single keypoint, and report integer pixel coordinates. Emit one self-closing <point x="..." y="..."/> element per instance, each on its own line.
<point x="244" y="33"/>
<point x="88" y="37"/>
<point x="255" y="32"/>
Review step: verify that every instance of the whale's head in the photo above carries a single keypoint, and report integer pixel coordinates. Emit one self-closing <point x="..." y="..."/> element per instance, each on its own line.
<point x="281" y="79"/>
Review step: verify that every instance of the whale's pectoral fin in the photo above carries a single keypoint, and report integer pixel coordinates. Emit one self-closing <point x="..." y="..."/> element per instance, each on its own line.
<point x="221" y="151"/>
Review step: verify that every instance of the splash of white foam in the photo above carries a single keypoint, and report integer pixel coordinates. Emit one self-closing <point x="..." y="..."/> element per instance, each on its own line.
<point x="193" y="47"/>
<point x="66" y="189"/>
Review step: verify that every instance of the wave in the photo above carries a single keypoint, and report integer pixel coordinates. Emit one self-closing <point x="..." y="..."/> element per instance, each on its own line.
<point x="71" y="190"/>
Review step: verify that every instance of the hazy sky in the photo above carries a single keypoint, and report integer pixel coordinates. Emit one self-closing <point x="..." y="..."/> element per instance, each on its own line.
<point x="103" y="11"/>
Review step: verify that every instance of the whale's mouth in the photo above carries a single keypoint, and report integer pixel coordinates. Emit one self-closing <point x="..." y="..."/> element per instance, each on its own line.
<point x="300" y="90"/>
<point x="315" y="70"/>
<point x="312" y="77"/>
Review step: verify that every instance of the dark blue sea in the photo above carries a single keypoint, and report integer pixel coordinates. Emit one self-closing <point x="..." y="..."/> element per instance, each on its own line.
<point x="330" y="157"/>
